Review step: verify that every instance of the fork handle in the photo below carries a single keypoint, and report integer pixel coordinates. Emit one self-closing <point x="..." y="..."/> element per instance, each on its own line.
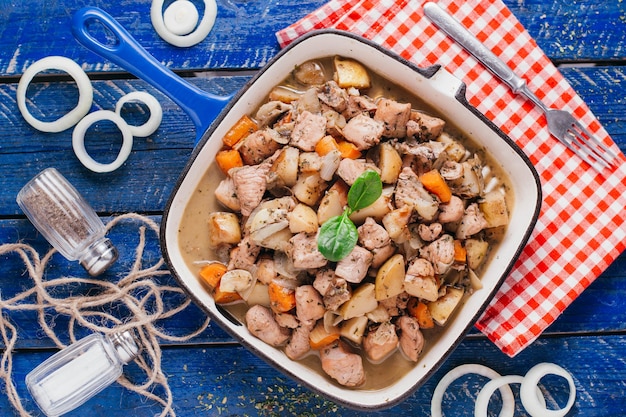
<point x="462" y="36"/>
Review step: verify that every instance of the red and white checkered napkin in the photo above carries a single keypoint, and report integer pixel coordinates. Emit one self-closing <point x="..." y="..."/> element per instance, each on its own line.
<point x="581" y="229"/>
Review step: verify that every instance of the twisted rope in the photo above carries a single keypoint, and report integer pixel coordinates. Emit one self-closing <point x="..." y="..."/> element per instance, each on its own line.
<point x="140" y="295"/>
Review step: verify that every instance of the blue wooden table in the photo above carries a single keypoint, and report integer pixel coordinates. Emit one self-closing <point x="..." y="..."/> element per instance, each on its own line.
<point x="211" y="374"/>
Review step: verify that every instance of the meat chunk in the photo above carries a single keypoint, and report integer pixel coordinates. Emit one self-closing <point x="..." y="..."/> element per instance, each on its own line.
<point x="372" y="235"/>
<point x="309" y="304"/>
<point x="304" y="252"/>
<point x="363" y="131"/>
<point x="323" y="280"/>
<point x="353" y="267"/>
<point x="420" y="281"/>
<point x="429" y="232"/>
<point x="286" y="320"/>
<point x="262" y="324"/>
<point x="410" y="191"/>
<point x="440" y="253"/>
<point x="394" y="117"/>
<point x="250" y="185"/>
<point x="381" y="342"/>
<point x="411" y="338"/>
<point x="350" y="169"/>
<point x="334" y="96"/>
<point x="452" y="211"/>
<point x="299" y="345"/>
<point x="382" y="254"/>
<point x="265" y="270"/>
<point x="226" y="194"/>
<point x="342" y="365"/>
<point x="257" y="146"/>
<point x="338" y="293"/>
<point x="359" y="104"/>
<point x="308" y="130"/>
<point x="424" y="127"/>
<point x="472" y="222"/>
<point x="244" y="255"/>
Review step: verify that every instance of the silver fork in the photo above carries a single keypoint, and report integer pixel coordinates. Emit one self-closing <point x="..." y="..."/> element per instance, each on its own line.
<point x="561" y="124"/>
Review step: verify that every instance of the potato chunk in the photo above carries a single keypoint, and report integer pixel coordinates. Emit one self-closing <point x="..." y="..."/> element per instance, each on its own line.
<point x="390" y="278"/>
<point x="223" y="229"/>
<point x="349" y="73"/>
<point x="493" y="207"/>
<point x="442" y="309"/>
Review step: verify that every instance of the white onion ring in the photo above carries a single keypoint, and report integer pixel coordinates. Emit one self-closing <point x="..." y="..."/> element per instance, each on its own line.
<point x="482" y="400"/>
<point x="156" y="112"/>
<point x="190" y="39"/>
<point x="78" y="140"/>
<point x="85" y="93"/>
<point x="508" y="401"/>
<point x="529" y="385"/>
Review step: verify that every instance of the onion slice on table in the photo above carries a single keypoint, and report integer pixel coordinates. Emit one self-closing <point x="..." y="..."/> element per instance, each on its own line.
<point x="78" y="141"/>
<point x="85" y="93"/>
<point x="156" y="112"/>
<point x="170" y="33"/>
<point x="529" y="385"/>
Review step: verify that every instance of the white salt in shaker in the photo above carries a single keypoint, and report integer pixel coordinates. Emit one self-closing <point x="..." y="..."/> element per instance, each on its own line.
<point x="67" y="221"/>
<point x="75" y="374"/>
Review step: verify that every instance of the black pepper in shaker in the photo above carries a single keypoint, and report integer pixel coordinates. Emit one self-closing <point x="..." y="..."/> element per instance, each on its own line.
<point x="67" y="221"/>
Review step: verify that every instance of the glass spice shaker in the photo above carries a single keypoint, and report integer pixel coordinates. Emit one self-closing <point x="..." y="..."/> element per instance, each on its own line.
<point x="75" y="374"/>
<point x="67" y="221"/>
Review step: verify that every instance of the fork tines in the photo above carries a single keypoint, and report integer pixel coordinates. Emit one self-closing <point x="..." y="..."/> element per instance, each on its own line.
<point x="590" y="148"/>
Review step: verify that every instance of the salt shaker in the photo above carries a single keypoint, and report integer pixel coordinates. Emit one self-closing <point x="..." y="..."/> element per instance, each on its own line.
<point x="67" y="221"/>
<point x="75" y="374"/>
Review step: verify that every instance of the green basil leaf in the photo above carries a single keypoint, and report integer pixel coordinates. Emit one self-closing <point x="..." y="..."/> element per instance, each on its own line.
<point x="365" y="190"/>
<point x="337" y="237"/>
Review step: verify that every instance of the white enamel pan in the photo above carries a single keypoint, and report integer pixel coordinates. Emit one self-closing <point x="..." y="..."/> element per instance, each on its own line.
<point x="214" y="115"/>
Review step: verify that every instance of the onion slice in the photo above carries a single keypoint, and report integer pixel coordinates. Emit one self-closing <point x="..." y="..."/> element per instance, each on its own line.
<point x="201" y="31"/>
<point x="156" y="112"/>
<point x="529" y="385"/>
<point x="482" y="400"/>
<point x="508" y="401"/>
<point x="78" y="141"/>
<point x="85" y="93"/>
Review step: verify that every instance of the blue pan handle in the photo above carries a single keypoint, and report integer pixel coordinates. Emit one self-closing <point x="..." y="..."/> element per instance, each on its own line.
<point x="201" y="106"/>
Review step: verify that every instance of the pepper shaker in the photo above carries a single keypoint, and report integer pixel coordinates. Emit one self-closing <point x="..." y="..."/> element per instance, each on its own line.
<point x="75" y="374"/>
<point x="67" y="221"/>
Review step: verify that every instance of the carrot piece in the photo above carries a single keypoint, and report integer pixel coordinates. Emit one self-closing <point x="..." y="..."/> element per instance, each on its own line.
<point x="434" y="183"/>
<point x="227" y="159"/>
<point x="224" y="297"/>
<point x="460" y="253"/>
<point x="239" y="130"/>
<point x="212" y="273"/>
<point x="281" y="299"/>
<point x="420" y="311"/>
<point x="319" y="337"/>
<point x="348" y="149"/>
<point x="325" y="145"/>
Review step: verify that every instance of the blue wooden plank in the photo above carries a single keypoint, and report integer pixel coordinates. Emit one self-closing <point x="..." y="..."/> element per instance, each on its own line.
<point x="582" y="30"/>
<point x="229" y="380"/>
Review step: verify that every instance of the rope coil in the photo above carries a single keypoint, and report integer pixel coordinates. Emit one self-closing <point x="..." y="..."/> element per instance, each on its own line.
<point x="137" y="298"/>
